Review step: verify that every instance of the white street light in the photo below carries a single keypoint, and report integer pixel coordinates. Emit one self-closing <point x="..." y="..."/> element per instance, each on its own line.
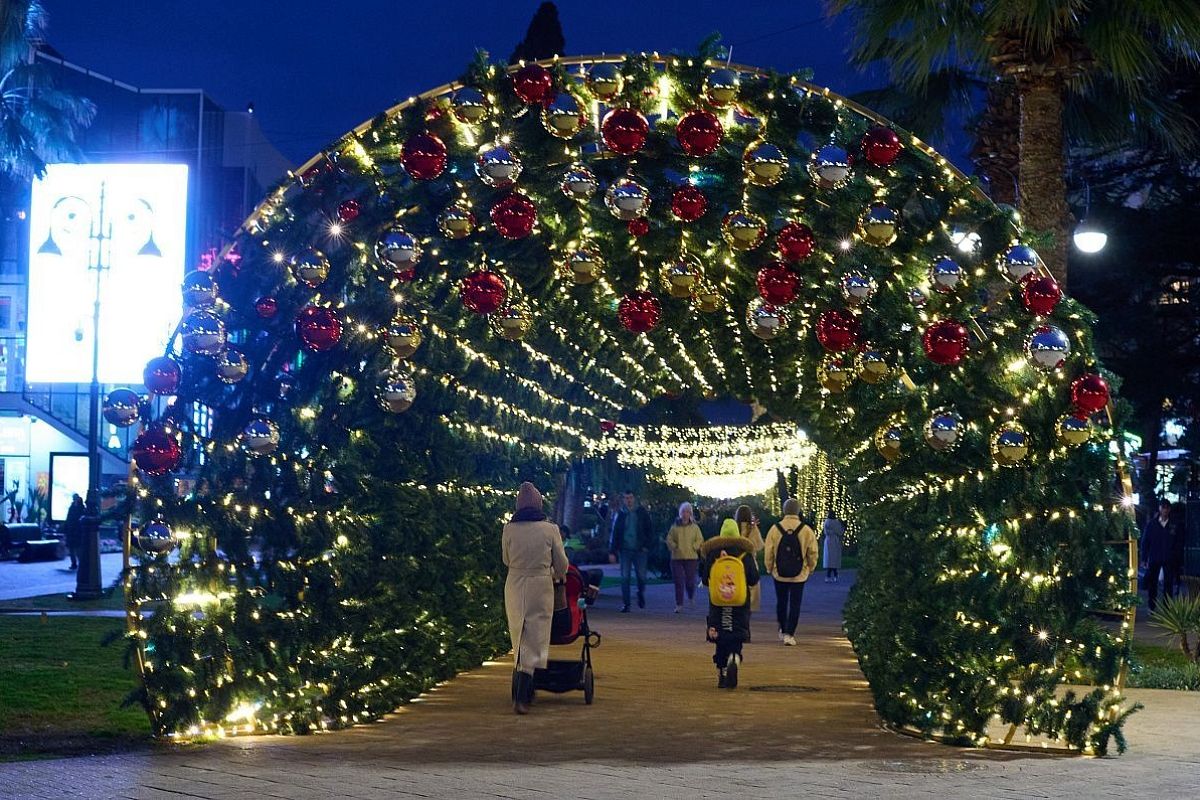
<point x="1089" y="238"/>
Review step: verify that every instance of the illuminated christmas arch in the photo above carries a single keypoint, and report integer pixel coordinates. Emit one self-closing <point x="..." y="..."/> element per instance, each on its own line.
<point x="463" y="291"/>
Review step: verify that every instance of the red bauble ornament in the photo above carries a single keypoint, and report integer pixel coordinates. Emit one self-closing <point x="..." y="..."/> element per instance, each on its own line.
<point x="945" y="342"/>
<point x="688" y="203"/>
<point x="699" y="132"/>
<point x="533" y="83"/>
<point x="639" y="311"/>
<point x="162" y="375"/>
<point x="423" y="156"/>
<point x="266" y="307"/>
<point x="607" y="426"/>
<point x="777" y="284"/>
<point x="155" y="451"/>
<point x="837" y="330"/>
<point x="514" y="216"/>
<point x="624" y="131"/>
<point x="638" y="226"/>
<point x="349" y="210"/>
<point x="319" y="329"/>
<point x="1041" y="295"/>
<point x="795" y="241"/>
<point x="1089" y="393"/>
<point x="881" y="145"/>
<point x="483" y="291"/>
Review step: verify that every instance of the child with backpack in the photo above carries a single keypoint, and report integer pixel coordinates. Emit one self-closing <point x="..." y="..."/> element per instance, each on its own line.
<point x="790" y="557"/>
<point x="727" y="567"/>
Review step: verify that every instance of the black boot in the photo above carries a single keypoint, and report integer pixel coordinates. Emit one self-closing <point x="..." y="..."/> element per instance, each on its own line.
<point x="521" y="692"/>
<point x="731" y="672"/>
<point x="721" y="678"/>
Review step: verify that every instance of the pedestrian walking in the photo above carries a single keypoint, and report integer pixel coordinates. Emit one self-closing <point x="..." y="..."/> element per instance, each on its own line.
<point x="1173" y="568"/>
<point x="1155" y="548"/>
<point x="73" y="529"/>
<point x="791" y="556"/>
<point x="833" y="536"/>
<point x="728" y="568"/>
<point x="632" y="539"/>
<point x="533" y="552"/>
<point x="747" y="524"/>
<point x="683" y="541"/>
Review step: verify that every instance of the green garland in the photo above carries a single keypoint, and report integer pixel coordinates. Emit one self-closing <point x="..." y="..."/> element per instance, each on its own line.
<point x="325" y="584"/>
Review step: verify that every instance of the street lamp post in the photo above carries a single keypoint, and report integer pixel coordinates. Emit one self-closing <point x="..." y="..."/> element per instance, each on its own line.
<point x="87" y="579"/>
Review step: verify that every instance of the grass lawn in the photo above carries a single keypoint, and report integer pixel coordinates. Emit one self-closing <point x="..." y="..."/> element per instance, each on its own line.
<point x="1158" y="666"/>
<point x="115" y="601"/>
<point x="61" y="691"/>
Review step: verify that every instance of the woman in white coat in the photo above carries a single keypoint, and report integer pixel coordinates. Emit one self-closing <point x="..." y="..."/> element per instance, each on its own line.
<point x="533" y="552"/>
<point x="833" y="532"/>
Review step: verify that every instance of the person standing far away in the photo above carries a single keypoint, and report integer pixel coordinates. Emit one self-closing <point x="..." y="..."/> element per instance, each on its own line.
<point x="791" y="556"/>
<point x="73" y="528"/>
<point x="533" y="552"/>
<point x="1155" y="548"/>
<point x="728" y="568"/>
<point x="1173" y="569"/>
<point x="684" y="540"/>
<point x="747" y="524"/>
<point x="833" y="532"/>
<point x="630" y="545"/>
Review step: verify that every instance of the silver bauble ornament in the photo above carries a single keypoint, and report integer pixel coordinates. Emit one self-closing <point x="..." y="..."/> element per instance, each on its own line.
<point x="579" y="183"/>
<point x="260" y="437"/>
<point x="1018" y="262"/>
<point x="156" y="538"/>
<point x="857" y="288"/>
<point x="121" y="407"/>
<point x="765" y="321"/>
<point x="310" y="267"/>
<point x="398" y="250"/>
<point x="199" y="289"/>
<point x="203" y="333"/>
<point x="945" y="275"/>
<point x="469" y="105"/>
<point x="721" y="87"/>
<point x="829" y="166"/>
<point x="397" y="392"/>
<point x="944" y="430"/>
<point x="917" y="297"/>
<point x="498" y="166"/>
<point x="605" y="81"/>
<point x="232" y="366"/>
<point x="1047" y="348"/>
<point x="627" y="199"/>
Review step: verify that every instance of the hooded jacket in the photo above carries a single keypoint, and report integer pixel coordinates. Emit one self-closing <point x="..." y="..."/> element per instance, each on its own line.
<point x="734" y="620"/>
<point x="808" y="548"/>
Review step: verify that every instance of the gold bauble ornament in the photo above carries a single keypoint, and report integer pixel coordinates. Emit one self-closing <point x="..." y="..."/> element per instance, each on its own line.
<point x="563" y="117"/>
<point x="873" y="367"/>
<point x="765" y="321"/>
<point x="707" y="298"/>
<point x="835" y="373"/>
<point x="511" y="323"/>
<point x="721" y="87"/>
<point x="402" y="336"/>
<point x="1010" y="444"/>
<point x="888" y="440"/>
<point x="743" y="230"/>
<point x="397" y="392"/>
<point x="1072" y="431"/>
<point x="680" y="277"/>
<point x="764" y="164"/>
<point x="310" y="267"/>
<point x="944" y="430"/>
<point x="232" y="366"/>
<point x="878" y="225"/>
<point x="456" y="222"/>
<point x="583" y="265"/>
<point x="605" y="81"/>
<point x="469" y="105"/>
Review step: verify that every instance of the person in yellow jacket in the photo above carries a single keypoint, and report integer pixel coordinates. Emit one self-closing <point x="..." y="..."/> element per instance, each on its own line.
<point x="684" y="540"/>
<point x="791" y="555"/>
<point x="748" y="528"/>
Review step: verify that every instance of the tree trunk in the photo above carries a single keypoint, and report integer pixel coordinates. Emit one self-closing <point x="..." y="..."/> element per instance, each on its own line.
<point x="1042" y="172"/>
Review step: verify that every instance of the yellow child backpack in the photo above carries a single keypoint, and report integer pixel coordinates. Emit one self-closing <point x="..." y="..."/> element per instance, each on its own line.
<point x="727" y="582"/>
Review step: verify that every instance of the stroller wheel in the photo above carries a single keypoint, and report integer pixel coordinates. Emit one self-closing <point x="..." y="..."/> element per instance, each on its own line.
<point x="589" y="686"/>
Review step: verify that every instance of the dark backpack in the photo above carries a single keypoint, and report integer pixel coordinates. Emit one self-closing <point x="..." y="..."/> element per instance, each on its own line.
<point x="789" y="556"/>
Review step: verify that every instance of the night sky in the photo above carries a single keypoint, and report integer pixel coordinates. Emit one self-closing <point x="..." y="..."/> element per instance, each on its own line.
<point x="313" y="74"/>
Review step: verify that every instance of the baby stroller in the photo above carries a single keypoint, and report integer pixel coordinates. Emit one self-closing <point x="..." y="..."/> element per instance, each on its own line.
<point x="569" y="625"/>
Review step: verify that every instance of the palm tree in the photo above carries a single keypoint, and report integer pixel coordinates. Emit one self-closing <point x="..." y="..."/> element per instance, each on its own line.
<point x="1100" y="62"/>
<point x="38" y="123"/>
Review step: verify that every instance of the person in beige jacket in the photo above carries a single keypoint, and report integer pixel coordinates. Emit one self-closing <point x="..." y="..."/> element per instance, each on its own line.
<point x="748" y="528"/>
<point x="684" y="540"/>
<point x="533" y="552"/>
<point x="791" y="556"/>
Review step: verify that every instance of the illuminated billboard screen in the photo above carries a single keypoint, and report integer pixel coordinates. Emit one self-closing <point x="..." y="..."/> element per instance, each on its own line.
<point x="134" y="217"/>
<point x="68" y="477"/>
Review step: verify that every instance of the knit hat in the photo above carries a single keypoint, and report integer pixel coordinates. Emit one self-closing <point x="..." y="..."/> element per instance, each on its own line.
<point x="791" y="507"/>
<point x="529" y="497"/>
<point x="730" y="528"/>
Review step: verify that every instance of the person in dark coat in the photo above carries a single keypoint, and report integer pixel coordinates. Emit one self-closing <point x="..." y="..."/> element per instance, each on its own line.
<point x="728" y="626"/>
<point x="73" y="528"/>
<point x="632" y="539"/>
<point x="1155" y="548"/>
<point x="1173" y="569"/>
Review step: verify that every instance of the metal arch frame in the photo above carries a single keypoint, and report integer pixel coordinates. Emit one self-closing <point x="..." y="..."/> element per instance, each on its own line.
<point x="1129" y="615"/>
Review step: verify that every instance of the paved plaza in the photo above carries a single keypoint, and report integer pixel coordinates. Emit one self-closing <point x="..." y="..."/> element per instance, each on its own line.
<point x="800" y="724"/>
<point x="50" y="577"/>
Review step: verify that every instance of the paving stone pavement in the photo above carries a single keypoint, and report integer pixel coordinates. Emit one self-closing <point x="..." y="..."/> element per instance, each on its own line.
<point x="658" y="729"/>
